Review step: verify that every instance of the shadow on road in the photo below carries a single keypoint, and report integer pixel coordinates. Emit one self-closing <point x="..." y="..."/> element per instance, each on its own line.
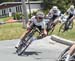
<point x="28" y="53"/>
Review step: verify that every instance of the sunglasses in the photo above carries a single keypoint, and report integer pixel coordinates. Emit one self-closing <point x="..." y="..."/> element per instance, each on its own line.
<point x="40" y="17"/>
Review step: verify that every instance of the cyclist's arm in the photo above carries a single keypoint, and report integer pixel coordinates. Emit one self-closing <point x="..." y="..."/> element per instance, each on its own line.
<point x="44" y="28"/>
<point x="24" y="33"/>
<point x="72" y="18"/>
<point x="30" y="21"/>
<point x="28" y="24"/>
<point x="45" y="32"/>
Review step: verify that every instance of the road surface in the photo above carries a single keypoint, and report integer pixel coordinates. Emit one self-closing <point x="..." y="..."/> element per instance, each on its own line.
<point x="40" y="50"/>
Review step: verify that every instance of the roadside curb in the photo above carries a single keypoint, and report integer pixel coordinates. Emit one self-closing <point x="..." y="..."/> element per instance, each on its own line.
<point x="62" y="40"/>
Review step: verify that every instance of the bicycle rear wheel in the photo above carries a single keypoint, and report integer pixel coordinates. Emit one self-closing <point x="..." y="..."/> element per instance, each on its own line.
<point x="62" y="28"/>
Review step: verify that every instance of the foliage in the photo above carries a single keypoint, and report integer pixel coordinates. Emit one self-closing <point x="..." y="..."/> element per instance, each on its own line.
<point x="32" y="14"/>
<point x="62" y="4"/>
<point x="11" y="31"/>
<point x="4" y="19"/>
<point x="17" y="16"/>
<point x="15" y="30"/>
<point x="70" y="34"/>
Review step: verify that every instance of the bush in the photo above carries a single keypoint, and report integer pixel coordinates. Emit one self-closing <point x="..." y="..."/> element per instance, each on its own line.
<point x="63" y="5"/>
<point x="17" y="16"/>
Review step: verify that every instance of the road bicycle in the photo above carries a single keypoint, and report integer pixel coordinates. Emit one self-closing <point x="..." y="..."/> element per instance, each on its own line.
<point x="50" y="25"/>
<point x="63" y="55"/>
<point x="28" y="39"/>
<point x="66" y="25"/>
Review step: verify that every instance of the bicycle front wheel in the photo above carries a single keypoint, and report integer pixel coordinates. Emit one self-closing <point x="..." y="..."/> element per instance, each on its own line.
<point x="63" y="55"/>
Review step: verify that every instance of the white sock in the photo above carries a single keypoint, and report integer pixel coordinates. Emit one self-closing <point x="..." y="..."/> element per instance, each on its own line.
<point x="67" y="58"/>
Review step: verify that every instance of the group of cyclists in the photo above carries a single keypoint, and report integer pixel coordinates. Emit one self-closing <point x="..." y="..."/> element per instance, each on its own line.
<point x="53" y="15"/>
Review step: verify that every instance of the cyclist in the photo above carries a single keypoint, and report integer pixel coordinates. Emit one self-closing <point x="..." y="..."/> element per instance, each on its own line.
<point x="71" y="14"/>
<point x="53" y="15"/>
<point x="35" y="21"/>
<point x="70" y="52"/>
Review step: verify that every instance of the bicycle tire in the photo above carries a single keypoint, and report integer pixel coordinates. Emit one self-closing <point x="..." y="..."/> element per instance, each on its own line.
<point x="52" y="29"/>
<point x="63" y="54"/>
<point x="23" y="42"/>
<point x="25" y="47"/>
<point x="26" y="42"/>
<point x="62" y="28"/>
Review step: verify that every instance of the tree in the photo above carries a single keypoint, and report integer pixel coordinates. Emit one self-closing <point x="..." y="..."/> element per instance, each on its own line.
<point x="62" y="4"/>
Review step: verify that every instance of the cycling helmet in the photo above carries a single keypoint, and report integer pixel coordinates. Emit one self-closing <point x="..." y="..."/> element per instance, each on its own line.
<point x="40" y="14"/>
<point x="55" y="8"/>
<point x="72" y="7"/>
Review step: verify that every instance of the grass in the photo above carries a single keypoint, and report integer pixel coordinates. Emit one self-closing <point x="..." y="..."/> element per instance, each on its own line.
<point x="4" y="19"/>
<point x="70" y="34"/>
<point x="14" y="30"/>
<point x="11" y="31"/>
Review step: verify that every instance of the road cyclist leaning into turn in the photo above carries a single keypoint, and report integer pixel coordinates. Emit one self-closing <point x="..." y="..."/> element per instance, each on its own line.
<point x="53" y="15"/>
<point x="71" y="51"/>
<point x="35" y="21"/>
<point x="71" y="15"/>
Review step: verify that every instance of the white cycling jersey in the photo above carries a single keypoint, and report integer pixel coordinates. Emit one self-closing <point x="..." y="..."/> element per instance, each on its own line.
<point x="57" y="13"/>
<point x="34" y="21"/>
<point x="69" y="11"/>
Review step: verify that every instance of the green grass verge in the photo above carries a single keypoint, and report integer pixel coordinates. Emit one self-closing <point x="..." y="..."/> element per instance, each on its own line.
<point x="70" y="34"/>
<point x="11" y="31"/>
<point x="14" y="30"/>
<point x="4" y="19"/>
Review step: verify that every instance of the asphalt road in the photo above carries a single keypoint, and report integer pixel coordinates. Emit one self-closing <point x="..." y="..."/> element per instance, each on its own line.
<point x="40" y="50"/>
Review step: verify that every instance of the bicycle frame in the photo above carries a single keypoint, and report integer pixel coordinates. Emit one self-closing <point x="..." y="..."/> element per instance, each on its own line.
<point x="27" y="41"/>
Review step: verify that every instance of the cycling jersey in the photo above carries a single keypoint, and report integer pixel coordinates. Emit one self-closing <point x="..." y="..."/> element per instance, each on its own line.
<point x="36" y="23"/>
<point x="71" y="12"/>
<point x="54" y="14"/>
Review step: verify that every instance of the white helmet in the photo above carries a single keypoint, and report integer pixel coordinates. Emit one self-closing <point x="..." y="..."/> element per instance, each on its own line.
<point x="72" y="7"/>
<point x="40" y="14"/>
<point x="55" y="8"/>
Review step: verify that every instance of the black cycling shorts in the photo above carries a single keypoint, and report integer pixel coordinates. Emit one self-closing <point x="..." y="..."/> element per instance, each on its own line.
<point x="39" y="27"/>
<point x="54" y="17"/>
<point x="70" y="16"/>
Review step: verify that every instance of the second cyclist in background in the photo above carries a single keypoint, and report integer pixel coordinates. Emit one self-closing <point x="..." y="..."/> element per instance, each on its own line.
<point x="71" y="15"/>
<point x="53" y="15"/>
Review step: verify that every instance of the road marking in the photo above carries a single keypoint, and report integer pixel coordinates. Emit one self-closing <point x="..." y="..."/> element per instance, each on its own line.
<point x="6" y="47"/>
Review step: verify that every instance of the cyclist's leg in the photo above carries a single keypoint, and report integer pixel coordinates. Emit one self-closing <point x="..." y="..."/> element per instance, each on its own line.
<point x="68" y="19"/>
<point x="22" y="38"/>
<point x="24" y="35"/>
<point x="70" y="52"/>
<point x="71" y="20"/>
<point x="55" y="20"/>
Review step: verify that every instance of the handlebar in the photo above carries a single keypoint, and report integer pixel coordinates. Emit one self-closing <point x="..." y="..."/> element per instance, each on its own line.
<point x="36" y="29"/>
